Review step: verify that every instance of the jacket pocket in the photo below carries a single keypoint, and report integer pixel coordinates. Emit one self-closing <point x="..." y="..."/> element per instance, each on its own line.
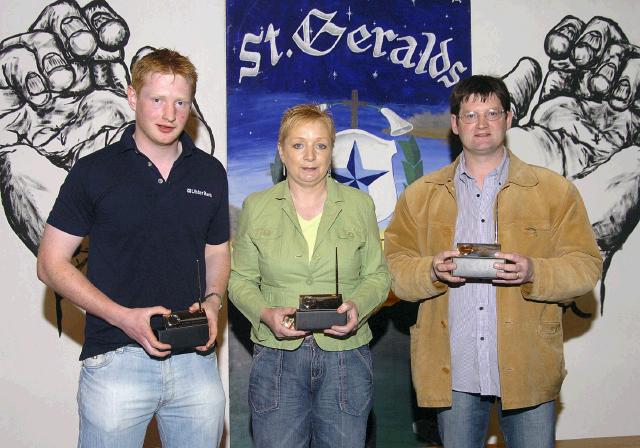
<point x="98" y="361"/>
<point x="434" y="237"/>
<point x="265" y="233"/>
<point x="350" y="236"/>
<point x="550" y="355"/>
<point x="349" y="241"/>
<point x="531" y="238"/>
<point x="550" y="329"/>
<point x="268" y="241"/>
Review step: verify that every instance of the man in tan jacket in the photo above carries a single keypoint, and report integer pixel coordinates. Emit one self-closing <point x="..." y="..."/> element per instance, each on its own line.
<point x="480" y="342"/>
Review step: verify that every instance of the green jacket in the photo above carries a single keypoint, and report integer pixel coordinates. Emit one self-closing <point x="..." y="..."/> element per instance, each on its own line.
<point x="271" y="267"/>
<point x="541" y="215"/>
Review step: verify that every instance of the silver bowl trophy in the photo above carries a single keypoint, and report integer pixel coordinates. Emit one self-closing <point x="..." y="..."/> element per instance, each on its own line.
<point x="476" y="260"/>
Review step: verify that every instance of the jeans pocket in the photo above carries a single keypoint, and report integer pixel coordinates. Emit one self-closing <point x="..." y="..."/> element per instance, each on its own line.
<point x="98" y="361"/>
<point x="264" y="380"/>
<point x="356" y="380"/>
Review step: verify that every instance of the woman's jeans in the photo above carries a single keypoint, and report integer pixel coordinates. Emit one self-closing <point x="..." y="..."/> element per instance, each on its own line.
<point x="309" y="394"/>
<point x="120" y="391"/>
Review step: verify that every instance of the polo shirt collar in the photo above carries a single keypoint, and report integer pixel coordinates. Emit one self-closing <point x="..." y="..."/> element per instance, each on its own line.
<point x="127" y="142"/>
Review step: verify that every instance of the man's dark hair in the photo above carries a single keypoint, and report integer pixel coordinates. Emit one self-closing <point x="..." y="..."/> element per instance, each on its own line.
<point x="479" y="85"/>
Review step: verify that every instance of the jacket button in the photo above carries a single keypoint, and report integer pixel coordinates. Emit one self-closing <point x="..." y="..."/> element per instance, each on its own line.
<point x="445" y="370"/>
<point x="309" y="281"/>
<point x="443" y="323"/>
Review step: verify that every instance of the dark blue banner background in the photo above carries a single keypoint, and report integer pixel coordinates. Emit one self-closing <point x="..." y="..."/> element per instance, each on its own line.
<point x="412" y="31"/>
<point x="355" y="57"/>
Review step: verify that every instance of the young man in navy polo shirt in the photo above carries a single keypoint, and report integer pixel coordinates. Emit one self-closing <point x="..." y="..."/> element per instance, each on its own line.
<point x="152" y="204"/>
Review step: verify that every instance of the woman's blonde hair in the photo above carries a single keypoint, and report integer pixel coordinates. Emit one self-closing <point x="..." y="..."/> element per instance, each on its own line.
<point x="304" y="113"/>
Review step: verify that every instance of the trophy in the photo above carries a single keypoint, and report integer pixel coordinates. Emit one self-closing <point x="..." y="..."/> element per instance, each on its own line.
<point x="476" y="260"/>
<point x="183" y="329"/>
<point x="318" y="311"/>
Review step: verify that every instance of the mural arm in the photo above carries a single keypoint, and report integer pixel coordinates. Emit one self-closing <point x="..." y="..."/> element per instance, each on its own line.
<point x="585" y="123"/>
<point x="62" y="96"/>
<point x="587" y="109"/>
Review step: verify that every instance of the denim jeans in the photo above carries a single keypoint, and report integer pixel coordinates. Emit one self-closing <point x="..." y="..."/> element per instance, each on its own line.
<point x="120" y="391"/>
<point x="465" y="423"/>
<point x="309" y="395"/>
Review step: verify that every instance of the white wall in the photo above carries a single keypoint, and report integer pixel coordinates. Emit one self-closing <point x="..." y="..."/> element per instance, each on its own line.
<point x="601" y="393"/>
<point x="38" y="371"/>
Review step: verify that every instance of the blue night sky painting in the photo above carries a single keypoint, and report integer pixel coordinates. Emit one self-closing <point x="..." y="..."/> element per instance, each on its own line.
<point x="385" y="70"/>
<point x="356" y="57"/>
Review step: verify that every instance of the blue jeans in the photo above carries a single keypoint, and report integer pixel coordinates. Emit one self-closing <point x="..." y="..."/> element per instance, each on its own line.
<point x="309" y="395"/>
<point x="465" y="423"/>
<point x="120" y="391"/>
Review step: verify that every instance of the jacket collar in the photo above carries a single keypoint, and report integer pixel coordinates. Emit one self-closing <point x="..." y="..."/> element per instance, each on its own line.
<point x="334" y="195"/>
<point x="332" y="206"/>
<point x="520" y="173"/>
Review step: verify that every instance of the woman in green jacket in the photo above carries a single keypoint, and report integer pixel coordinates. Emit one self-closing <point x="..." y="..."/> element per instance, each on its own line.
<point x="305" y="385"/>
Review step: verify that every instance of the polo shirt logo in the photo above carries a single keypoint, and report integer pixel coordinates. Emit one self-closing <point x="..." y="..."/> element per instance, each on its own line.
<point x="199" y="192"/>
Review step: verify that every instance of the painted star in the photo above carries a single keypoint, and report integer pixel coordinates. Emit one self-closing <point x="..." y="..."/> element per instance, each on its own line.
<point x="355" y="175"/>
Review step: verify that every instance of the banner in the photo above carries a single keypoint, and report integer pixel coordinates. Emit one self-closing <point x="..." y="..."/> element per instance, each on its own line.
<point x="385" y="72"/>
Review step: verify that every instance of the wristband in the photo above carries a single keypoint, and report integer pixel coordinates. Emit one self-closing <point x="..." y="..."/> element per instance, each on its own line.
<point x="211" y="294"/>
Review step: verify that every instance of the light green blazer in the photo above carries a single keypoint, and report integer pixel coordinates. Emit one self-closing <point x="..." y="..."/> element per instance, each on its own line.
<point x="271" y="267"/>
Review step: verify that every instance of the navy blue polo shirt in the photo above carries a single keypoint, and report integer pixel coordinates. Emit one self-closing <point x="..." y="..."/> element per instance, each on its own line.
<point x="145" y="233"/>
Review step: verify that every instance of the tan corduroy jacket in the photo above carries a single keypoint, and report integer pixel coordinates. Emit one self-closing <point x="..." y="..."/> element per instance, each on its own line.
<point x="541" y="215"/>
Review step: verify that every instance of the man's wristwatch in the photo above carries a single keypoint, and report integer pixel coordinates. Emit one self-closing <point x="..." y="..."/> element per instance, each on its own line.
<point x="218" y="295"/>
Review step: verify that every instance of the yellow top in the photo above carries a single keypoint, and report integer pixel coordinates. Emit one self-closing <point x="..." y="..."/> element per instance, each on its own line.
<point x="310" y="231"/>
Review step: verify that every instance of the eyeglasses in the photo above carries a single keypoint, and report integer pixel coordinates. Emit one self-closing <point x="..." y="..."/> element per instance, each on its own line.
<point x="489" y="115"/>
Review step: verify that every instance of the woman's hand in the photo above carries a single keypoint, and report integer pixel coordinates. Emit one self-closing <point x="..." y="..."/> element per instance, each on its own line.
<point x="352" y="320"/>
<point x="280" y="323"/>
